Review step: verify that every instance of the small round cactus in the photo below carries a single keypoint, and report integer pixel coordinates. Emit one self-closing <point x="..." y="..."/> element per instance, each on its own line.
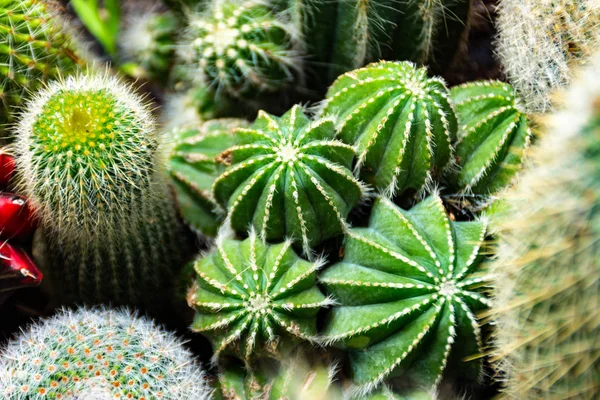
<point x="399" y="120"/>
<point x="493" y="134"/>
<point x="241" y="48"/>
<point x="193" y="169"/>
<point x="248" y="294"/>
<point x="104" y="353"/>
<point x="288" y="177"/>
<point x="409" y="287"/>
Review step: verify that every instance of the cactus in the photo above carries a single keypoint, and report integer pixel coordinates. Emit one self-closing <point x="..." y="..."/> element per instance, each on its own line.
<point x="35" y="49"/>
<point x="88" y="158"/>
<point x="112" y="354"/>
<point x="399" y="120"/>
<point x="408" y="287"/>
<point x="540" y="41"/>
<point x="548" y="268"/>
<point x="289" y="178"/>
<point x="493" y="134"/>
<point x="241" y="48"/>
<point x="193" y="169"/>
<point x="248" y="294"/>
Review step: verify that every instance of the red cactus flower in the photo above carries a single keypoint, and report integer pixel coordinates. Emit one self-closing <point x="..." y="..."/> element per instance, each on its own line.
<point x="16" y="217"/>
<point x="16" y="269"/>
<point x="7" y="168"/>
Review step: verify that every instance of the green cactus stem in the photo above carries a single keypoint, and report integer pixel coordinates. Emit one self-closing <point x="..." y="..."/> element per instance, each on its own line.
<point x="289" y="177"/>
<point x="250" y="297"/>
<point x="400" y="121"/>
<point x="493" y="135"/>
<point x="409" y="287"/>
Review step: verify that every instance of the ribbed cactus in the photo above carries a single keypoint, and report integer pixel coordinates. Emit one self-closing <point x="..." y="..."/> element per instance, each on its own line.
<point x="251" y="298"/>
<point x="99" y="354"/>
<point x="88" y="158"/>
<point x="193" y="169"/>
<point x="289" y="177"/>
<point x="493" y="134"/>
<point x="241" y="48"/>
<point x="34" y="49"/>
<point x="540" y="41"/>
<point x="399" y="120"/>
<point x="548" y="270"/>
<point x="409" y="287"/>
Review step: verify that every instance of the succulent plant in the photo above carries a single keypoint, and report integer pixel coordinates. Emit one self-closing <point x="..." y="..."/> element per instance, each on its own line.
<point x="541" y="41"/>
<point x="108" y="353"/>
<point x="548" y="269"/>
<point x="193" y="169"/>
<point x="241" y="48"/>
<point x="399" y="120"/>
<point x="35" y="49"/>
<point x="493" y="134"/>
<point x="88" y="159"/>
<point x="409" y="287"/>
<point x="289" y="177"/>
<point x="252" y="298"/>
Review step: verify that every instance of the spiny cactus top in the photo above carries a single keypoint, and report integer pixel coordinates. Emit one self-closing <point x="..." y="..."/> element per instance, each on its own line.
<point x="241" y="47"/>
<point x="289" y="178"/>
<point x="34" y="49"/>
<point x="408" y="286"/>
<point x="493" y="134"/>
<point x="109" y="354"/>
<point x="399" y="120"/>
<point x="193" y="169"/>
<point x="248" y="294"/>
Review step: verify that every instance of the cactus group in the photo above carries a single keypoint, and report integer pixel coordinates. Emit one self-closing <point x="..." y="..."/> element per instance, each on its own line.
<point x="250" y="297"/>
<point x="99" y="354"/>
<point x="289" y="177"/>
<point x="399" y="120"/>
<point x="548" y="268"/>
<point x="409" y="287"/>
<point x="88" y="158"/>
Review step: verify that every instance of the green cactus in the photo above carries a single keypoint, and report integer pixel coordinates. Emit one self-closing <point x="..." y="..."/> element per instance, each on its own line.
<point x="289" y="178"/>
<point x="409" y="286"/>
<point x="34" y="49"/>
<point x="193" y="169"/>
<point x="548" y="267"/>
<point x="493" y="134"/>
<point x="540" y="41"/>
<point x="241" y="48"/>
<point x="399" y="120"/>
<point x="99" y="354"/>
<point x="88" y="157"/>
<point x="248" y="295"/>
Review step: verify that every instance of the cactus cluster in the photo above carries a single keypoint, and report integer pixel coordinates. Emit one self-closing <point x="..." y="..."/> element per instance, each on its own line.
<point x="99" y="354"/>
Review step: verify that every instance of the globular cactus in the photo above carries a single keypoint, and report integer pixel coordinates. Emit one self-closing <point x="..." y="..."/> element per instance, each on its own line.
<point x="241" y="48"/>
<point x="252" y="298"/>
<point x="548" y="268"/>
<point x="104" y="353"/>
<point x="541" y="41"/>
<point x="88" y="158"/>
<point x="409" y="287"/>
<point x="289" y="177"/>
<point x="35" y="49"/>
<point x="399" y="120"/>
<point x="193" y="169"/>
<point x="493" y="135"/>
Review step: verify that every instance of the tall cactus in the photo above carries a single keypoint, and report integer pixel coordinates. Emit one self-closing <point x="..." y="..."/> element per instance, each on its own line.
<point x="548" y="271"/>
<point x="89" y="159"/>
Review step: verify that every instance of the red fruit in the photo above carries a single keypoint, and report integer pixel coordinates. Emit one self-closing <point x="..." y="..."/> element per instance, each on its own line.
<point x="16" y="217"/>
<point x="16" y="269"/>
<point x="7" y="168"/>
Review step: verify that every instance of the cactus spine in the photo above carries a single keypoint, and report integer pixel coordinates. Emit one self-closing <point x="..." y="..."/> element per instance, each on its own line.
<point x="409" y="287"/>
<point x="548" y="271"/>
<point x="99" y="354"/>
<point x="399" y="120"/>
<point x="89" y="160"/>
